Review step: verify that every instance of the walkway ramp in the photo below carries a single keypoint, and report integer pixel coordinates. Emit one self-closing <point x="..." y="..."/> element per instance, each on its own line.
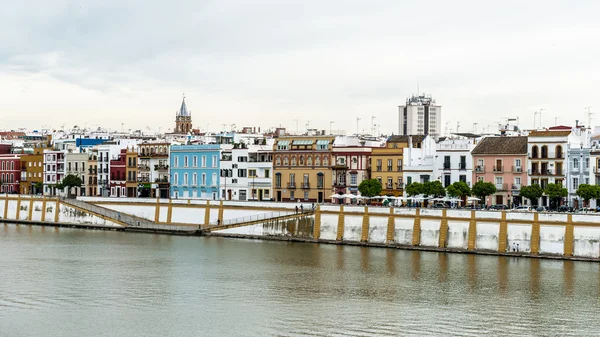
<point x="255" y="219"/>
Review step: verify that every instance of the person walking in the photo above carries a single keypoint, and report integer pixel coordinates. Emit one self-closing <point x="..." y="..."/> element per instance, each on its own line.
<point x="301" y="208"/>
<point x="296" y="209"/>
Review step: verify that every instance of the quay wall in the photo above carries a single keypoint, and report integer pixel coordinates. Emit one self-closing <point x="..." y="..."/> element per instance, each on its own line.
<point x="48" y="210"/>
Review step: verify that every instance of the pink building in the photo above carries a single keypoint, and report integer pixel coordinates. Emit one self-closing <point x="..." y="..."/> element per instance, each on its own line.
<point x="503" y="162"/>
<point x="10" y="173"/>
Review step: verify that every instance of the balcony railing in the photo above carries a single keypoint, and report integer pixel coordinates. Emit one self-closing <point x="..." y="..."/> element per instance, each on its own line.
<point x="516" y="187"/>
<point x="517" y="169"/>
<point x="160" y="167"/>
<point x="498" y="169"/>
<point x="462" y="166"/>
<point x="305" y="185"/>
<point x="143" y="167"/>
<point x="161" y="180"/>
<point x="144" y="179"/>
<point x="400" y="186"/>
<point x="480" y="169"/>
<point x="389" y="186"/>
<point x="105" y="170"/>
<point x="291" y="185"/>
<point x="446" y="166"/>
<point x="93" y="170"/>
<point x="500" y="187"/>
<point x="378" y="168"/>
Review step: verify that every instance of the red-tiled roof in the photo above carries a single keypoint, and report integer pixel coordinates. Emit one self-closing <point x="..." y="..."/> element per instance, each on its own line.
<point x="501" y="145"/>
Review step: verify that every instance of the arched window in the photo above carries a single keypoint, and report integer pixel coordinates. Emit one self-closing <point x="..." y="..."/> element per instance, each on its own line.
<point x="285" y="161"/>
<point x="317" y="161"/>
<point x="293" y="160"/>
<point x="534" y="151"/>
<point x="301" y="160"/>
<point x="326" y="161"/>
<point x="277" y="161"/>
<point x="544" y="151"/>
<point x="12" y="177"/>
<point x="2" y="166"/>
<point x="12" y="165"/>
<point x="309" y="161"/>
<point x="558" y="151"/>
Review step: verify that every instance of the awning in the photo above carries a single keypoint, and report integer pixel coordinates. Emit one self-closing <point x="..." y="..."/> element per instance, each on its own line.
<point x="302" y="142"/>
<point x="322" y="142"/>
<point x="283" y="143"/>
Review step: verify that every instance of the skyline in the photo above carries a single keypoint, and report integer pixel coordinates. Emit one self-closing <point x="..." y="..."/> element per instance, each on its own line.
<point x="107" y="63"/>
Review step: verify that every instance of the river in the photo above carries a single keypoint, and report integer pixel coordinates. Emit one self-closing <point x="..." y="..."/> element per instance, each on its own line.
<point x="71" y="282"/>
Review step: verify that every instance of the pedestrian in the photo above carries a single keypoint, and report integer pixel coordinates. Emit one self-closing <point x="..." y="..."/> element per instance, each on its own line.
<point x="218" y="222"/>
<point x="313" y="206"/>
<point x="517" y="247"/>
<point x="296" y="209"/>
<point x="301" y="208"/>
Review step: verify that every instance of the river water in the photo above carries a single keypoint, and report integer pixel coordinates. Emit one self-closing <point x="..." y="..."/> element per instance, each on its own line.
<point x="69" y="282"/>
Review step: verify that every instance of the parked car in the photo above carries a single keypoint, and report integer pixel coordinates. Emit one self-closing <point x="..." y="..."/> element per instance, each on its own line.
<point x="523" y="209"/>
<point x="542" y="209"/>
<point x="439" y="205"/>
<point x="499" y="207"/>
<point x="565" y="209"/>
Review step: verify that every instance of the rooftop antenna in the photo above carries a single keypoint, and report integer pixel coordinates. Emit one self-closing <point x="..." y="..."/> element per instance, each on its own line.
<point x="475" y="128"/>
<point x="447" y="130"/>
<point x="589" y="113"/>
<point x="357" y="120"/>
<point x="457" y="126"/>
<point x="372" y="125"/>
<point x="541" y="117"/>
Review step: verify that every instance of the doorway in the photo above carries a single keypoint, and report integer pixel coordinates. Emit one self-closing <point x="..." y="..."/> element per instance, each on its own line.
<point x="260" y="195"/>
<point x="278" y="196"/>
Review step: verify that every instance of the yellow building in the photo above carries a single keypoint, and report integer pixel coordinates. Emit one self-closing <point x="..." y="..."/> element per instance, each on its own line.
<point x="91" y="184"/>
<point x="32" y="170"/>
<point x="131" y="173"/>
<point x="387" y="163"/>
<point x="302" y="168"/>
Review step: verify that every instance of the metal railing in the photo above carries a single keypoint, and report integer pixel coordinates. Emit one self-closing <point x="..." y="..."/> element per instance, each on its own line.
<point x="259" y="217"/>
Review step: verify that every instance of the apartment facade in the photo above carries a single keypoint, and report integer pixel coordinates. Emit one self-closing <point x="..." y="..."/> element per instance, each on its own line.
<point x="153" y="169"/>
<point x="92" y="175"/>
<point x="54" y="170"/>
<point x="548" y="162"/>
<point x="32" y="171"/>
<point x="10" y="173"/>
<point x="260" y="171"/>
<point x="352" y="163"/>
<point x="453" y="161"/>
<point x="131" y="172"/>
<point x="246" y="172"/>
<point x="194" y="171"/>
<point x="302" y="168"/>
<point x="419" y="158"/>
<point x="118" y="172"/>
<point x="503" y="162"/>
<point x="420" y="116"/>
<point x="387" y="164"/>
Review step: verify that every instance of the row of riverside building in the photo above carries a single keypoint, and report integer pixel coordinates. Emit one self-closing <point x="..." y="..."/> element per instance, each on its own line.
<point x="275" y="166"/>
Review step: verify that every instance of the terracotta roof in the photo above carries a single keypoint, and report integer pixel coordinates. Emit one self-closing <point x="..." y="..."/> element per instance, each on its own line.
<point x="501" y="145"/>
<point x="549" y="133"/>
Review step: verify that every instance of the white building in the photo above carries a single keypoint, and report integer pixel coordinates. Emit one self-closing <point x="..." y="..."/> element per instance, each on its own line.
<point x="420" y="116"/>
<point x="107" y="152"/>
<point x="419" y="162"/>
<point x="260" y="171"/>
<point x="453" y="160"/>
<point x="54" y="170"/>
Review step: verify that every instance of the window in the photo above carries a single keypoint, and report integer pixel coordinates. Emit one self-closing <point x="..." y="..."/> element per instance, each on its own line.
<point x="176" y="161"/>
<point x="175" y="179"/>
<point x="185" y="161"/>
<point x="517" y="162"/>
<point x="214" y="179"/>
<point x="447" y="180"/>
<point x="309" y="161"/>
<point x="285" y="161"/>
<point x="317" y="161"/>
<point x="320" y="180"/>
<point x="353" y="179"/>
<point x="587" y="163"/>
<point x="399" y="164"/>
<point x="242" y="173"/>
<point x="293" y="160"/>
<point x="575" y="163"/>
<point x="267" y="173"/>
<point x="446" y="162"/>
<point x="498" y="180"/>
<point x="462" y="178"/>
<point x="534" y="151"/>
<point x="278" y="180"/>
<point x="252" y="173"/>
<point x="479" y="178"/>
<point x="291" y="195"/>
<point x="301" y="160"/>
<point x="292" y="179"/>
<point x="390" y="182"/>
<point x="195" y="178"/>
<point x="203" y="179"/>
<point x="185" y="179"/>
<point x="326" y="161"/>
<point x="305" y="195"/>
<point x="389" y="164"/>
<point x="378" y="165"/>
<point x="203" y="161"/>
<point x="408" y="180"/>
<point x="195" y="161"/>
<point x="518" y="181"/>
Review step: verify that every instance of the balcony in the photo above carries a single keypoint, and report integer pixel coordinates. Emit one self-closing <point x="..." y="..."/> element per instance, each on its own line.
<point x="143" y="179"/>
<point x="400" y="186"/>
<point x="517" y="169"/>
<point x="516" y="187"/>
<point x="462" y="166"/>
<point x="446" y="166"/>
<point x="160" y="167"/>
<point x="534" y="172"/>
<point x="546" y="172"/>
<point x="161" y="180"/>
<point x="498" y="169"/>
<point x="378" y="169"/>
<point x="143" y="167"/>
<point x="291" y="185"/>
<point x="501" y="187"/>
<point x="306" y="185"/>
<point x="93" y="170"/>
<point x="480" y="169"/>
<point x="105" y="170"/>
<point x="389" y="186"/>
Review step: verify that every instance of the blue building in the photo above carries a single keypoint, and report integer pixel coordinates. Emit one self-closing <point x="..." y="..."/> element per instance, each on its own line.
<point x="194" y="171"/>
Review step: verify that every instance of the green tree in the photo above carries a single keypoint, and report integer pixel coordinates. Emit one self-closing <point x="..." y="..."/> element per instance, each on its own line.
<point x="434" y="189"/>
<point x="555" y="192"/>
<point x="415" y="189"/>
<point x="532" y="192"/>
<point x="369" y="187"/>
<point x="587" y="192"/>
<point x="68" y="182"/>
<point x="482" y="189"/>
<point x="459" y="189"/>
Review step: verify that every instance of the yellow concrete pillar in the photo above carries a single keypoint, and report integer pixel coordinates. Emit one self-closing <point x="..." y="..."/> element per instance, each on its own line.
<point x="340" y="228"/>
<point x="18" y="207"/>
<point x="221" y="211"/>
<point x="170" y="211"/>
<point x="207" y="213"/>
<point x="43" y="209"/>
<point x="472" y="235"/>
<point x="57" y="210"/>
<point x="416" y="238"/>
<point x="391" y="227"/>
<point x="364" y="234"/>
<point x="157" y="211"/>
<point x="503" y="233"/>
<point x="317" y="226"/>
<point x="189" y="202"/>
<point x="535" y="234"/>
<point x="5" y="207"/>
<point x="443" y="230"/>
<point x="30" y="216"/>
<point x="569" y="236"/>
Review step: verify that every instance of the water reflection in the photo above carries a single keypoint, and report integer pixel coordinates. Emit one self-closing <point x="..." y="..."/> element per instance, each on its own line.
<point x="568" y="274"/>
<point x="503" y="275"/>
<point x="534" y="278"/>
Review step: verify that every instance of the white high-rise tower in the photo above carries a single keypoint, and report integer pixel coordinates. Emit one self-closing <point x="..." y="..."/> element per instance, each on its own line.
<point x="420" y="116"/>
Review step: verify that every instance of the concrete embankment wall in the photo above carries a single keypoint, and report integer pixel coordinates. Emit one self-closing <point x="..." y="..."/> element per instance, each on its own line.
<point x="535" y="234"/>
<point x="48" y="210"/>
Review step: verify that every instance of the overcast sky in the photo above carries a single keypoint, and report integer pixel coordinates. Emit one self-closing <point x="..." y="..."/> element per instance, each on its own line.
<point x="267" y="63"/>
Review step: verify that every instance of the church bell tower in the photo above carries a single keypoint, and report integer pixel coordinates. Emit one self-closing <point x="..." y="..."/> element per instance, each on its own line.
<point x="183" y="119"/>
